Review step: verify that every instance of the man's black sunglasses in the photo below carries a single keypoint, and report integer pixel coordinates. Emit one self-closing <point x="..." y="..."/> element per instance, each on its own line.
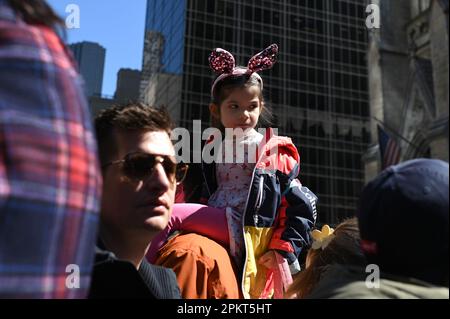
<point x="138" y="166"/>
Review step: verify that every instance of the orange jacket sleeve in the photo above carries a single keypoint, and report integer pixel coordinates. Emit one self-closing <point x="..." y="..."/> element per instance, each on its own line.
<point x="203" y="268"/>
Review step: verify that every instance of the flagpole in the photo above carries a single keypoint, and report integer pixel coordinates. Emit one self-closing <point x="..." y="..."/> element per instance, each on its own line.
<point x="395" y="133"/>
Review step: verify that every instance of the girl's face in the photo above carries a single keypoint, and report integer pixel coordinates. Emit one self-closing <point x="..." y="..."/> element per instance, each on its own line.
<point x="241" y="108"/>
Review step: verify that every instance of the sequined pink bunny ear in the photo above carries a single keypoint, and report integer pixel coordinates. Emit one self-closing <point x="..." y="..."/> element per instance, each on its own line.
<point x="221" y="61"/>
<point x="263" y="60"/>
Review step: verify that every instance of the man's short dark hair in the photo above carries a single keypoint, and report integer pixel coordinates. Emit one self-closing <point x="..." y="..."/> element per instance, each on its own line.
<point x="133" y="117"/>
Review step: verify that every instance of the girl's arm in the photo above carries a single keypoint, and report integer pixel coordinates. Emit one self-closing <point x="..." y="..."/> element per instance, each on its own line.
<point x="194" y="218"/>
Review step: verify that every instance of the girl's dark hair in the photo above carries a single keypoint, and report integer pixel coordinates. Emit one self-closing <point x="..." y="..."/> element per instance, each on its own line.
<point x="224" y="88"/>
<point x="343" y="249"/>
<point x="36" y="12"/>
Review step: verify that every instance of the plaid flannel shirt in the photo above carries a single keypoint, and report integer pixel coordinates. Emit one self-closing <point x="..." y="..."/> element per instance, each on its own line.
<point x="50" y="179"/>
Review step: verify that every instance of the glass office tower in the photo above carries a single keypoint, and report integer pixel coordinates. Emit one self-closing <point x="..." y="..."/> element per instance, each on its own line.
<point x="90" y="57"/>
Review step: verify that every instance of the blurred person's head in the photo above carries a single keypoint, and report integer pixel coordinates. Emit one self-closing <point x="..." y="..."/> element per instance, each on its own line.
<point x="36" y="12"/>
<point x="341" y="246"/>
<point x="403" y="218"/>
<point x="139" y="170"/>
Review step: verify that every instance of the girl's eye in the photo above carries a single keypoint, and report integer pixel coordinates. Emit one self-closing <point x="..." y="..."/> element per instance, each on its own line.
<point x="234" y="106"/>
<point x="253" y="106"/>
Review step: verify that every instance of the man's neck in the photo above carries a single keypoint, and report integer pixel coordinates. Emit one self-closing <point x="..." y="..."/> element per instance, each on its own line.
<point x="124" y="246"/>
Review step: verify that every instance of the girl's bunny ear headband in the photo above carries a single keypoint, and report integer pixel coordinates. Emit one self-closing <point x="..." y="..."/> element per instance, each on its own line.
<point x="222" y="62"/>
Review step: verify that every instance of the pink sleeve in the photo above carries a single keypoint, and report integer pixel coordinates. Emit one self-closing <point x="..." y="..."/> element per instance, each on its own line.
<point x="194" y="218"/>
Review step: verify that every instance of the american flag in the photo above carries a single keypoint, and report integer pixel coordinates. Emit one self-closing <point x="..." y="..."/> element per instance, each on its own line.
<point x="389" y="149"/>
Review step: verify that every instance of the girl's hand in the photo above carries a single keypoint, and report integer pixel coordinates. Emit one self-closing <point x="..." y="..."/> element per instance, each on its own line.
<point x="269" y="259"/>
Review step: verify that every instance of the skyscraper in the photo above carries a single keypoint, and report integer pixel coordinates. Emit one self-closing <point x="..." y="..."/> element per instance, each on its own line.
<point x="127" y="88"/>
<point x="90" y="57"/>
<point x="152" y="56"/>
<point x="317" y="90"/>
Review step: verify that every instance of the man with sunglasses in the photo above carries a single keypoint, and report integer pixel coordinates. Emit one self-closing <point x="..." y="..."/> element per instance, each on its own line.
<point x="140" y="175"/>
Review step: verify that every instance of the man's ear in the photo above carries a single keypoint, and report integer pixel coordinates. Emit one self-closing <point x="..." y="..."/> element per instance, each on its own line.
<point x="214" y="110"/>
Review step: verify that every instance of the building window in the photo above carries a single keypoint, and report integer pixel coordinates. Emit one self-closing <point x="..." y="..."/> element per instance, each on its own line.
<point x="210" y="6"/>
<point x="199" y="27"/>
<point x="248" y="13"/>
<point x="258" y="14"/>
<point x="229" y="9"/>
<point x="209" y="31"/>
<point x="276" y="21"/>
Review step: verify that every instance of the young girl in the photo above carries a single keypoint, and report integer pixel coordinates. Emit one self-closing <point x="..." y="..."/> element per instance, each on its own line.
<point x="255" y="205"/>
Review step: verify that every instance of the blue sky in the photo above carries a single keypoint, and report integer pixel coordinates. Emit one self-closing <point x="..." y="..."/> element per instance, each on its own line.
<point x="117" y="25"/>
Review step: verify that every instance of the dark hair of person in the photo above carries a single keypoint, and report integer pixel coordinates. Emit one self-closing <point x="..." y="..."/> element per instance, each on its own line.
<point x="132" y="117"/>
<point x="224" y="88"/>
<point x="343" y="249"/>
<point x="36" y="12"/>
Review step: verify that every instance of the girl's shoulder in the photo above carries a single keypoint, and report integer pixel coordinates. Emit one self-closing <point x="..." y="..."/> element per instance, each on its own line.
<point x="283" y="151"/>
<point x="270" y="138"/>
